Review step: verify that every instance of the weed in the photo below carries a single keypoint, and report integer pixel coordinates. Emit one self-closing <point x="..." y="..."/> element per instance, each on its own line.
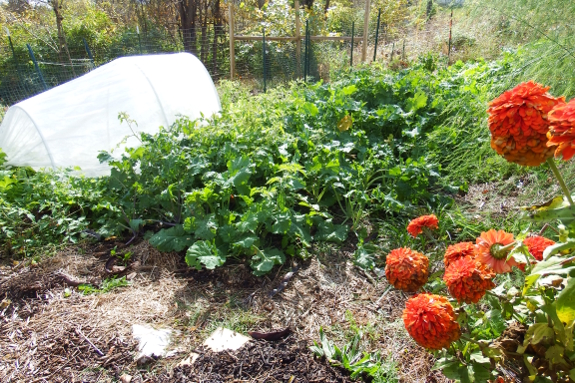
<point x="108" y="285"/>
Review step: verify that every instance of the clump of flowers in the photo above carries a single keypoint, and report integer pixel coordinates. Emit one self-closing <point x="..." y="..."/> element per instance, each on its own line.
<point x="431" y="321"/>
<point x="467" y="280"/>
<point x="416" y="226"/>
<point x="518" y="123"/>
<point x="537" y="245"/>
<point x="458" y="251"/>
<point x="561" y="133"/>
<point x="492" y="249"/>
<point x="406" y="269"/>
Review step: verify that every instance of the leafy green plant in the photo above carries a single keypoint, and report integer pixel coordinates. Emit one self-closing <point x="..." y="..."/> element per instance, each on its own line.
<point x="108" y="285"/>
<point x="350" y="357"/>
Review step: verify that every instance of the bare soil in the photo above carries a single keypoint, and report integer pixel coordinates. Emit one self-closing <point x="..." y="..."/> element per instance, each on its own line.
<point x="51" y="332"/>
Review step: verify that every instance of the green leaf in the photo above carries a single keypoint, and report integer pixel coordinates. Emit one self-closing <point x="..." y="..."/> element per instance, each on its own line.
<point x="418" y="101"/>
<point x="136" y="224"/>
<point x="478" y="357"/>
<point x="554" y="265"/>
<point x="329" y="232"/>
<point x="264" y="261"/>
<point x="240" y="171"/>
<point x="247" y="242"/>
<point x="557" y="208"/>
<point x="453" y="370"/>
<point x="566" y="310"/>
<point x="172" y="239"/>
<point x="557" y="248"/>
<point x="555" y="354"/>
<point x="349" y="90"/>
<point x="496" y="321"/>
<point x="204" y="253"/>
<point x="539" y="333"/>
<point x="206" y="228"/>
<point x="529" y="281"/>
<point x="364" y="258"/>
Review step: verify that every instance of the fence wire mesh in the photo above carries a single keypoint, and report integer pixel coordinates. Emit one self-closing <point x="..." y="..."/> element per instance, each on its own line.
<point x="29" y="69"/>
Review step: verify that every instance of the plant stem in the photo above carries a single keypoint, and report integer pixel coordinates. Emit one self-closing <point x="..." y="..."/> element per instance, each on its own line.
<point x="553" y="167"/>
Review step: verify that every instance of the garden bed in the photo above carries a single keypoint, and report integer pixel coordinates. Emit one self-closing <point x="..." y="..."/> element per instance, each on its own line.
<point x="50" y="331"/>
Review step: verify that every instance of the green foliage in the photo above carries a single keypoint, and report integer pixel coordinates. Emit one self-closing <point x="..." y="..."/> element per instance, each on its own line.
<point x="40" y="208"/>
<point x="276" y="172"/>
<point x="360" y="364"/>
<point x="108" y="285"/>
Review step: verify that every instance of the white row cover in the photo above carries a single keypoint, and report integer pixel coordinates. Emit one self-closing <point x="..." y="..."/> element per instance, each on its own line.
<point x="68" y="125"/>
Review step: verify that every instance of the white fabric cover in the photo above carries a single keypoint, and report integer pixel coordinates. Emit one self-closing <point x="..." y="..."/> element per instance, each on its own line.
<point x="68" y="125"/>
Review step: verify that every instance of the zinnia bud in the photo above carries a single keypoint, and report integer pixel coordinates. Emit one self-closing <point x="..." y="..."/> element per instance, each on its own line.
<point x="406" y="269"/>
<point x="467" y="280"/>
<point x="431" y="321"/>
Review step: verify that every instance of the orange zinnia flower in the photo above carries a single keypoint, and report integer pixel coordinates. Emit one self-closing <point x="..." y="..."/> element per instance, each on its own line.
<point x="467" y="280"/>
<point x="537" y="245"/>
<point x="519" y="126"/>
<point x="415" y="227"/>
<point x="458" y="251"/>
<point x="431" y="321"/>
<point x="406" y="269"/>
<point x="488" y="250"/>
<point x="562" y="130"/>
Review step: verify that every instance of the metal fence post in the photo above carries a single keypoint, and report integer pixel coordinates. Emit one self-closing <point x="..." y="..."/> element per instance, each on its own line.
<point x="15" y="59"/>
<point x="36" y="66"/>
<point x="309" y="52"/>
<point x="449" y="47"/>
<point x="376" y="35"/>
<point x="298" y="39"/>
<point x="305" y="66"/>
<point x="264" y="57"/>
<point x="351" y="52"/>
<point x="89" y="52"/>
<point x="392" y="52"/>
<point x="232" y="43"/>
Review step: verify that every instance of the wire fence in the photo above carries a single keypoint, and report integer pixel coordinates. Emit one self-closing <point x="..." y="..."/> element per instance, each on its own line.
<point x="265" y="60"/>
<point x="27" y="69"/>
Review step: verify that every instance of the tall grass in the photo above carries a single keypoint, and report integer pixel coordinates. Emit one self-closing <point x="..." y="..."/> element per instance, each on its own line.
<point x="541" y="31"/>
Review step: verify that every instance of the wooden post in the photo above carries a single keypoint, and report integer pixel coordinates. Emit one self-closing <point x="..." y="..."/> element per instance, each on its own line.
<point x="365" y="30"/>
<point x="232" y="42"/>
<point x="298" y="40"/>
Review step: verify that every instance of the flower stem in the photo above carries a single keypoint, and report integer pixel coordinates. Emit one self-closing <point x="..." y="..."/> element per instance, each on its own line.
<point x="555" y="171"/>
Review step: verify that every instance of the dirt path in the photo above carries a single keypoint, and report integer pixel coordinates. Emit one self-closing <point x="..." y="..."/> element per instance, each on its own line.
<point x="51" y="332"/>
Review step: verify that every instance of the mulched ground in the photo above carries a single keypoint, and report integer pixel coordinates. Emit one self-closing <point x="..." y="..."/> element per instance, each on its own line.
<point x="51" y="332"/>
<point x="288" y="360"/>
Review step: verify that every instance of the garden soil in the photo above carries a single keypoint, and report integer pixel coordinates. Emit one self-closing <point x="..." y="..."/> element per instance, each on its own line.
<point x="51" y="332"/>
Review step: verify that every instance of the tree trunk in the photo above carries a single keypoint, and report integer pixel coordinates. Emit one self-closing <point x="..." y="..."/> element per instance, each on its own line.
<point x="187" y="10"/>
<point x="62" y="45"/>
